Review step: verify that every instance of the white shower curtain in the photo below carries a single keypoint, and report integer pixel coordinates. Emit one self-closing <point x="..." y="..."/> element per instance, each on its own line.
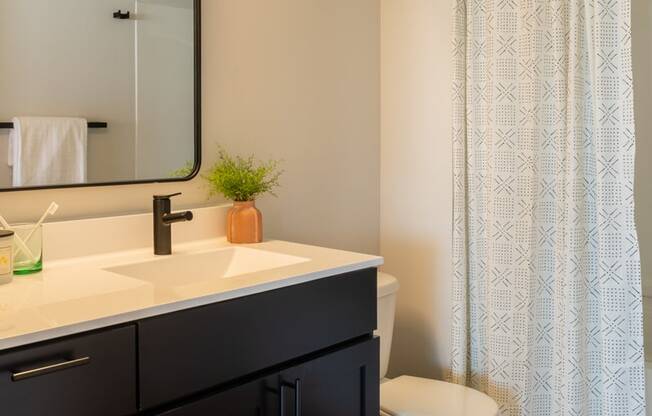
<point x="547" y="315"/>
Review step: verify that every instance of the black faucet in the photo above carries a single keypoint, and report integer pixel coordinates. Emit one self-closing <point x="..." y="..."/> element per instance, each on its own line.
<point x="163" y="220"/>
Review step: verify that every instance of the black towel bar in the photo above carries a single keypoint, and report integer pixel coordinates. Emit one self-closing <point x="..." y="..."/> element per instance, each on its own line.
<point x="91" y="125"/>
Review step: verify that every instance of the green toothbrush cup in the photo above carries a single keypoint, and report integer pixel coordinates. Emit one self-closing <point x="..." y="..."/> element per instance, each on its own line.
<point x="28" y="252"/>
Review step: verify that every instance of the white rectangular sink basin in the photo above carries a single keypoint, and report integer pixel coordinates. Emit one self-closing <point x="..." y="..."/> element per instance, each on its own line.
<point x="191" y="269"/>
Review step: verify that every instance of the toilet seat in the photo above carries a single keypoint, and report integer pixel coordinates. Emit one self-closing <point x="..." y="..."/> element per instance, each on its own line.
<point x="414" y="396"/>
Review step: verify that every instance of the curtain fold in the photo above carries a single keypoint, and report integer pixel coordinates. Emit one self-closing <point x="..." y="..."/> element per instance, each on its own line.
<point x="547" y="303"/>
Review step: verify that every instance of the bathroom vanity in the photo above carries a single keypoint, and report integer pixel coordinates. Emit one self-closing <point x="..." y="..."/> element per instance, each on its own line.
<point x="276" y="328"/>
<point x="298" y="350"/>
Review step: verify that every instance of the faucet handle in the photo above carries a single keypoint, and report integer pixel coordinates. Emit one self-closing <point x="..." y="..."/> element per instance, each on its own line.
<point x="159" y="197"/>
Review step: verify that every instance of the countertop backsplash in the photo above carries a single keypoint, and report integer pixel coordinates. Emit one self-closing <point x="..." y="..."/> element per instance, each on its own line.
<point x="94" y="236"/>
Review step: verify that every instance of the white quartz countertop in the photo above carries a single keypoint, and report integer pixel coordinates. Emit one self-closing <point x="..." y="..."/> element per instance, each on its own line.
<point x="75" y="295"/>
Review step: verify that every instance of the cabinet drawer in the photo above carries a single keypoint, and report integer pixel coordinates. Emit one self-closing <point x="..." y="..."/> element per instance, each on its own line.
<point x="91" y="374"/>
<point x="190" y="351"/>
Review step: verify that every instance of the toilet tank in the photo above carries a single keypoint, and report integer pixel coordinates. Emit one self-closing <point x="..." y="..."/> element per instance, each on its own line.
<point x="387" y="288"/>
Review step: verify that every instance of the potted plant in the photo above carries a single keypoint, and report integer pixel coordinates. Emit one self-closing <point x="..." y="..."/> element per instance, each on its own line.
<point x="242" y="180"/>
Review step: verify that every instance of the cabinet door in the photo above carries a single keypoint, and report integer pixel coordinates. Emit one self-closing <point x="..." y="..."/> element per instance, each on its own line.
<point x="256" y="398"/>
<point x="343" y="383"/>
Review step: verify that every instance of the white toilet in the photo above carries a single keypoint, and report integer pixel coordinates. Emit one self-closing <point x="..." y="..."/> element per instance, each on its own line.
<point x="413" y="396"/>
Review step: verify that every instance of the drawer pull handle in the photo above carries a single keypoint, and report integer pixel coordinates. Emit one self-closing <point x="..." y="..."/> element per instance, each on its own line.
<point x="49" y="369"/>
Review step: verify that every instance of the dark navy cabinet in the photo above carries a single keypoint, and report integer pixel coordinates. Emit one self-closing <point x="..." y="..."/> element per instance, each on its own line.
<point x="306" y="349"/>
<point x="342" y="382"/>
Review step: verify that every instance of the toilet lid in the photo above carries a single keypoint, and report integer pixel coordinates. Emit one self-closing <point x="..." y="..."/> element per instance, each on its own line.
<point x="387" y="284"/>
<point x="413" y="396"/>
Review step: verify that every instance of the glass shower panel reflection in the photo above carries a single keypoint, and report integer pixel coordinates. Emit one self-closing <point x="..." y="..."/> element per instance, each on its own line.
<point x="165" y="77"/>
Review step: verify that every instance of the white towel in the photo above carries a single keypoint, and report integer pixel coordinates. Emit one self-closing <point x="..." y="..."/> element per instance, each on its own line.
<point x="48" y="151"/>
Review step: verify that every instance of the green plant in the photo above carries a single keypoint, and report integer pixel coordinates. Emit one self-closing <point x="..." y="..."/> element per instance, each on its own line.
<point x="242" y="179"/>
<point x="184" y="171"/>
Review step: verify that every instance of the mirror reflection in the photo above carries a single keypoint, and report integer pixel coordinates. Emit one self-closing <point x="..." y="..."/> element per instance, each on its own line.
<point x="96" y="91"/>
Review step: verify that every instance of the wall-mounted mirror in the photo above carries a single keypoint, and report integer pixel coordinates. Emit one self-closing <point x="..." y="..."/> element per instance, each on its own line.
<point x="96" y="92"/>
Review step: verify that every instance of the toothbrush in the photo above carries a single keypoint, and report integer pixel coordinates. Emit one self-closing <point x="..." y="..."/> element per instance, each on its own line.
<point x="52" y="209"/>
<point x="21" y="244"/>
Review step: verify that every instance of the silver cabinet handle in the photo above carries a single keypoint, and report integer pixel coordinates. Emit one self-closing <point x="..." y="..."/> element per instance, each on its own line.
<point x="49" y="369"/>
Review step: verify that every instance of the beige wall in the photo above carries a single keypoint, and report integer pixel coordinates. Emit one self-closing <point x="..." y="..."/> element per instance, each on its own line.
<point x="642" y="60"/>
<point x="298" y="80"/>
<point x="291" y="79"/>
<point x="416" y="199"/>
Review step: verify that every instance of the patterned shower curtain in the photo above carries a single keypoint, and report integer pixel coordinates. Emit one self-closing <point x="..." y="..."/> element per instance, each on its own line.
<point x="547" y="315"/>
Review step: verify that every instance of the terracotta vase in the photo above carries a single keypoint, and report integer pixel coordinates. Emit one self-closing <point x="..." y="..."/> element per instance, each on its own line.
<point x="244" y="223"/>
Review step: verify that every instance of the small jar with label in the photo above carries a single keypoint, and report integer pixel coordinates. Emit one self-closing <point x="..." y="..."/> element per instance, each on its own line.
<point x="6" y="256"/>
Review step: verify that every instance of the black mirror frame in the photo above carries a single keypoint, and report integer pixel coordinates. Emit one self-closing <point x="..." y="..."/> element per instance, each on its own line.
<point x="197" y="127"/>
